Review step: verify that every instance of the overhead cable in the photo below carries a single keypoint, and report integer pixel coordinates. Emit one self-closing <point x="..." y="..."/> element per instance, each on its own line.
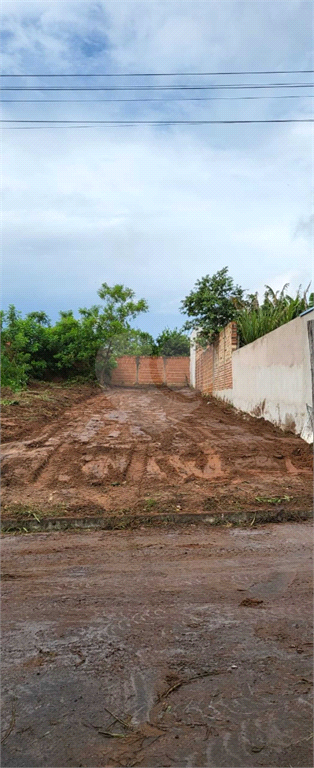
<point x="164" y="101"/>
<point x="235" y="86"/>
<point x="163" y="122"/>
<point x="164" y="74"/>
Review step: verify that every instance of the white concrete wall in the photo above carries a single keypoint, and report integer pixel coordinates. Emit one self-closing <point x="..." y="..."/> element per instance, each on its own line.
<point x="224" y="394"/>
<point x="272" y="377"/>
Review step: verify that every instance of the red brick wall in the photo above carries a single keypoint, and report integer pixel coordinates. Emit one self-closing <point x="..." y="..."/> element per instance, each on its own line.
<point x="132" y="371"/>
<point x="177" y="371"/>
<point x="126" y="371"/>
<point x="151" y="371"/>
<point x="214" y="364"/>
<point x="204" y="369"/>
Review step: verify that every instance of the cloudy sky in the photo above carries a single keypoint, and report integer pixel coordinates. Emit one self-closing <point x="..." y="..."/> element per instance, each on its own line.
<point x="154" y="207"/>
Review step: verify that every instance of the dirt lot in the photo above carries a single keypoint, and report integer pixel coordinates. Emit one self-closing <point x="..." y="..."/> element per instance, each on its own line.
<point x="78" y="450"/>
<point x="198" y="642"/>
<point x="182" y="646"/>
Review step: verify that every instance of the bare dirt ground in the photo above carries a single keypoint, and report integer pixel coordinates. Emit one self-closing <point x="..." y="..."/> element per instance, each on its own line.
<point x="192" y="646"/>
<point x="73" y="450"/>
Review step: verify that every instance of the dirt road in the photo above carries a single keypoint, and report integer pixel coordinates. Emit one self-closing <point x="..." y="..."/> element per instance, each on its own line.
<point x="198" y="642"/>
<point x="148" y="450"/>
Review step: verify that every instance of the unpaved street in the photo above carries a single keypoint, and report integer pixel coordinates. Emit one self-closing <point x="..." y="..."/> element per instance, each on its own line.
<point x="150" y="450"/>
<point x="151" y="647"/>
<point x="198" y="642"/>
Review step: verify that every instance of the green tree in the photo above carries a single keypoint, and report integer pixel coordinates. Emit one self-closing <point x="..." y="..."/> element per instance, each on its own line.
<point x="31" y="348"/>
<point x="71" y="345"/>
<point x="134" y="342"/>
<point x="25" y="347"/>
<point x="78" y="341"/>
<point x="171" y="343"/>
<point x="212" y="304"/>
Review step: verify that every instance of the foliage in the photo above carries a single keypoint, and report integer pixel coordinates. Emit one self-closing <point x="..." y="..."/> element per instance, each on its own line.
<point x="216" y="300"/>
<point x="255" y="320"/>
<point x="170" y="343"/>
<point x="13" y="372"/>
<point x="134" y="342"/>
<point x="25" y="347"/>
<point x="77" y="341"/>
<point x="212" y="304"/>
<point x="30" y="347"/>
<point x="130" y="342"/>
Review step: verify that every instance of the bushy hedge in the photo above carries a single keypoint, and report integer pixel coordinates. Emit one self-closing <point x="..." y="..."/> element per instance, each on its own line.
<point x="32" y="348"/>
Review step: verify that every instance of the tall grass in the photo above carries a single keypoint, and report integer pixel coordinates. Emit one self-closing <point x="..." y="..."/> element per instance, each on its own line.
<point x="255" y="320"/>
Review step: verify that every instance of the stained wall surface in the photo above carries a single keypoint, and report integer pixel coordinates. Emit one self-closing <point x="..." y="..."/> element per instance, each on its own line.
<point x="268" y="378"/>
<point x="272" y="376"/>
<point x="213" y="365"/>
<point x="142" y="371"/>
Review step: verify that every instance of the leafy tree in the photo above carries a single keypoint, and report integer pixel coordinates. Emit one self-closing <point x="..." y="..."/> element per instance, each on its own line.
<point x="39" y="317"/>
<point x="30" y="347"/>
<point x="77" y="341"/>
<point x="134" y="342"/>
<point x="170" y="343"/>
<point x="118" y="310"/>
<point x="70" y="346"/>
<point x="212" y="304"/>
<point x="25" y="347"/>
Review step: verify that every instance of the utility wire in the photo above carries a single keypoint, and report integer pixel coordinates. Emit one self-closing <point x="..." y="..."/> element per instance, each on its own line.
<point x="128" y="125"/>
<point x="162" y="122"/>
<point x="164" y="101"/>
<point x="234" y="86"/>
<point x="168" y="74"/>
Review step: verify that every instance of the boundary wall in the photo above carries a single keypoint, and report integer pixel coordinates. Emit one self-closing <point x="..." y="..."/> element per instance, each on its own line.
<point x="269" y="378"/>
<point x="211" y="368"/>
<point x="134" y="371"/>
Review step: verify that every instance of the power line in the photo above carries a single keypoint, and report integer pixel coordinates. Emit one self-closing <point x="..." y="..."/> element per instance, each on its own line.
<point x="234" y="86"/>
<point x="128" y="125"/>
<point x="168" y="74"/>
<point x="161" y="122"/>
<point x="164" y="101"/>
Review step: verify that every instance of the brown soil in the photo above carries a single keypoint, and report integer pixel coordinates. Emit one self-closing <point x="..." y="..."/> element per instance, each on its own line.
<point x="192" y="646"/>
<point x="79" y="450"/>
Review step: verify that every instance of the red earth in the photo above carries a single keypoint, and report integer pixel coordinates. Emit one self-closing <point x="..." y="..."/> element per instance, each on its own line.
<point x="73" y="450"/>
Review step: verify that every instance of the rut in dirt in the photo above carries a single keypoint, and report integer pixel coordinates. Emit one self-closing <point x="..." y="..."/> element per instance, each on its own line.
<point x="155" y="449"/>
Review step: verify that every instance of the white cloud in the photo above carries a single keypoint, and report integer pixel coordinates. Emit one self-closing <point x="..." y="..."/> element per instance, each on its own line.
<point x="155" y="209"/>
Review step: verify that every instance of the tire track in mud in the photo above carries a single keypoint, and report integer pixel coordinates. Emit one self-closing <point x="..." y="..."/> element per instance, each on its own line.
<point x="44" y="472"/>
<point x="137" y="468"/>
<point x="126" y="445"/>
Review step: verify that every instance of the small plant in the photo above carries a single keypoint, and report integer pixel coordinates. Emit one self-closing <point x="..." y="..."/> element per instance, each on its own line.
<point x="272" y="499"/>
<point x="150" y="503"/>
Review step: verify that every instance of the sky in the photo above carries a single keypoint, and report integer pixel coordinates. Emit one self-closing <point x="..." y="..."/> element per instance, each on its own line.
<point x="154" y="207"/>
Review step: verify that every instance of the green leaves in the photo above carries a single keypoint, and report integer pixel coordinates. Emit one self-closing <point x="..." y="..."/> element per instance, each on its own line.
<point x="212" y="304"/>
<point x="171" y="343"/>
<point x="30" y="347"/>
<point x="255" y="320"/>
<point x="25" y="345"/>
<point x="216" y="301"/>
<point x="104" y="327"/>
<point x="119" y="303"/>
